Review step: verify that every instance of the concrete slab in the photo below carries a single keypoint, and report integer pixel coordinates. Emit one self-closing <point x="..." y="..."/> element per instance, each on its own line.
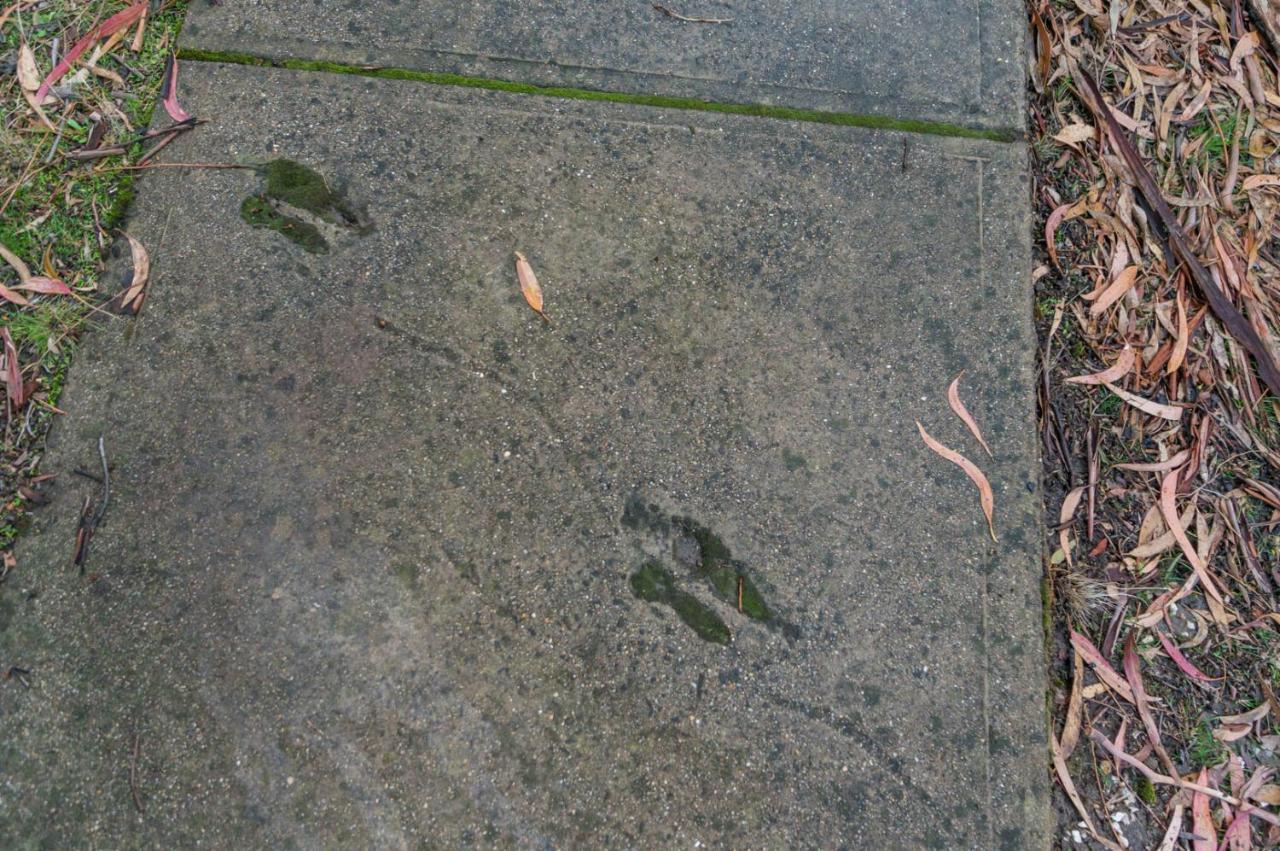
<point x="956" y="61"/>
<point x="391" y="562"/>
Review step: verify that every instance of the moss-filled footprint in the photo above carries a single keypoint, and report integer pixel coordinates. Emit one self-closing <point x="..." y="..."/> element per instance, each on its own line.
<point x="655" y="584"/>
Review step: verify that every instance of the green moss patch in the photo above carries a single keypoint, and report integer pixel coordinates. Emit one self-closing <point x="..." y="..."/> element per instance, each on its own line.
<point x="304" y="188"/>
<point x="259" y="212"/>
<point x="722" y="572"/>
<point x="294" y="191"/>
<point x="294" y="183"/>
<point x="653" y="583"/>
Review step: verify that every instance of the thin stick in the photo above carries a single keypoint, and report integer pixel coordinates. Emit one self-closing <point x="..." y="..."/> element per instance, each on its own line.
<point x="181" y="165"/>
<point x="133" y="773"/>
<point x="672" y="13"/>
<point x="106" y="484"/>
<point x="123" y="147"/>
<point x="157" y="147"/>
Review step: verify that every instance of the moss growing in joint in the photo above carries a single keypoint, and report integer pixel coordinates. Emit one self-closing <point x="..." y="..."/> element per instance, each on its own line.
<point x="816" y="116"/>
<point x="655" y="584"/>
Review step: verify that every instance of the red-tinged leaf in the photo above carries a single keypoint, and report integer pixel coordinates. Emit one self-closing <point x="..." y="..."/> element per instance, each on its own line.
<point x="41" y="284"/>
<point x="985" y="495"/>
<point x="1143" y="703"/>
<point x="169" y="91"/>
<point x="953" y="399"/>
<point x="1206" y="835"/>
<point x="1101" y="667"/>
<point x="10" y="296"/>
<point x="12" y="371"/>
<point x="118" y="21"/>
<point x="1183" y="663"/>
<point x="1115" y="372"/>
<point x="1156" y="777"/>
<point x="1237" y="836"/>
<point x="1062" y="214"/>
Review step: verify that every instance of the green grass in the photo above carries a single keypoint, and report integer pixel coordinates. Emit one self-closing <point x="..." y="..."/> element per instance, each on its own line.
<point x="843" y="119"/>
<point x="62" y="215"/>
<point x="1203" y="749"/>
<point x="1108" y="405"/>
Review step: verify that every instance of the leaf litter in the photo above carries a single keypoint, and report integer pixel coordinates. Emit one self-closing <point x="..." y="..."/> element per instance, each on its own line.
<point x="1155" y="139"/>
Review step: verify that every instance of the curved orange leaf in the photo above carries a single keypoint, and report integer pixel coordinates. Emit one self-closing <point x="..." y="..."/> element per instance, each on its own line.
<point x="953" y="399"/>
<point x="529" y="286"/>
<point x="970" y="469"/>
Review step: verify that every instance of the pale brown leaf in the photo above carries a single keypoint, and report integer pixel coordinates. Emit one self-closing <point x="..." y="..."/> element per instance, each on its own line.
<point x="23" y="270"/>
<point x="28" y="73"/>
<point x="1115" y="372"/>
<point x="1069" y="506"/>
<point x="985" y="494"/>
<point x="1174" y="831"/>
<point x="1075" y="706"/>
<point x="1158" y="466"/>
<point x="11" y="296"/>
<point x="1069" y="786"/>
<point x="1169" y="510"/>
<point x="1180" y="344"/>
<point x="1113" y="291"/>
<point x="130" y="301"/>
<point x="1267" y="794"/>
<point x="1074" y="134"/>
<point x="1155" y="409"/>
